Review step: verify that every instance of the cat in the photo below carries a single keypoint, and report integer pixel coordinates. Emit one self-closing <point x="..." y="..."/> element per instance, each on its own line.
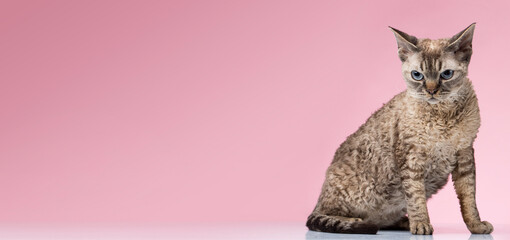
<point x="383" y="174"/>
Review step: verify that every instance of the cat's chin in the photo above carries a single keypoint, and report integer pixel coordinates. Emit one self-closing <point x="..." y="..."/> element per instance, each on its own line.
<point x="433" y="100"/>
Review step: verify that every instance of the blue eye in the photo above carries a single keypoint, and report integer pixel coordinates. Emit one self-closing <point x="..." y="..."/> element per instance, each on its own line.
<point x="416" y="75"/>
<point x="447" y="74"/>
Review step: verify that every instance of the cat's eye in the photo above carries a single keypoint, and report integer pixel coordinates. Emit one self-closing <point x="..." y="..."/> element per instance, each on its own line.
<point x="447" y="74"/>
<point x="416" y="75"/>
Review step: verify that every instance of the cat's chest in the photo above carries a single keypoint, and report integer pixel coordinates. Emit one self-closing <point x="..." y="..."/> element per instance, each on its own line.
<point x="439" y="139"/>
<point x="441" y="142"/>
<point x="444" y="137"/>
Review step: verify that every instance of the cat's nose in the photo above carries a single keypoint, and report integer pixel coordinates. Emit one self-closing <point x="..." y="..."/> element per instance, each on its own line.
<point x="432" y="86"/>
<point x="432" y="91"/>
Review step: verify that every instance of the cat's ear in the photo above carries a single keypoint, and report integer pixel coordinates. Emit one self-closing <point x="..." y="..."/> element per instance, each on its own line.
<point x="406" y="44"/>
<point x="461" y="44"/>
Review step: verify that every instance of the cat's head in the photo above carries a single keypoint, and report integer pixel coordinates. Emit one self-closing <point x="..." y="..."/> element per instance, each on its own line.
<point x="435" y="70"/>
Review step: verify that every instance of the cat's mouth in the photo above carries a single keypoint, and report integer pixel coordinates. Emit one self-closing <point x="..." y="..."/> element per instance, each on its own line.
<point x="432" y="100"/>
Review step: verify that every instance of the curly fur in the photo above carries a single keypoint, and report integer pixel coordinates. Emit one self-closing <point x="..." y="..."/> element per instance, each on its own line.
<point x="383" y="174"/>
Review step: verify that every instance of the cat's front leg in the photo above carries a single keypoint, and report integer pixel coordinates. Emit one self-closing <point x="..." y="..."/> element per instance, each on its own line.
<point x="413" y="182"/>
<point x="465" y="185"/>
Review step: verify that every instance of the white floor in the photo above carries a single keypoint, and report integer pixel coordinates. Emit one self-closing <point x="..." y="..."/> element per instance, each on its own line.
<point x="244" y="231"/>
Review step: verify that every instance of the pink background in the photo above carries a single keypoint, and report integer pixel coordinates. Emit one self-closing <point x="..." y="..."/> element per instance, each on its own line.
<point x="172" y="111"/>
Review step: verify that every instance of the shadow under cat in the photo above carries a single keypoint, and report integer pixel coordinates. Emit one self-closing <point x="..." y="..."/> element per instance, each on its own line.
<point x="392" y="235"/>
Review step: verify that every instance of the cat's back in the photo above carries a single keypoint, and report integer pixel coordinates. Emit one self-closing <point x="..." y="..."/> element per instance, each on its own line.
<point x="374" y="140"/>
<point x="364" y="164"/>
<point x="378" y="132"/>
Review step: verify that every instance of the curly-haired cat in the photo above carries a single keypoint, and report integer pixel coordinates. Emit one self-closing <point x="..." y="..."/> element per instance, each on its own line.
<point x="383" y="174"/>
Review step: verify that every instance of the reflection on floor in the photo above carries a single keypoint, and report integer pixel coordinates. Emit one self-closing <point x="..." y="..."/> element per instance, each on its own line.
<point x="244" y="231"/>
<point x="398" y="235"/>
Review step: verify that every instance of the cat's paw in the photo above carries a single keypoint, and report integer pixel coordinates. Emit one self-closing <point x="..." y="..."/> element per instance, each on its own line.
<point x="480" y="227"/>
<point x="421" y="228"/>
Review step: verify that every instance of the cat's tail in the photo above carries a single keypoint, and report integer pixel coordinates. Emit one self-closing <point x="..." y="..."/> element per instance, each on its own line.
<point x="334" y="224"/>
